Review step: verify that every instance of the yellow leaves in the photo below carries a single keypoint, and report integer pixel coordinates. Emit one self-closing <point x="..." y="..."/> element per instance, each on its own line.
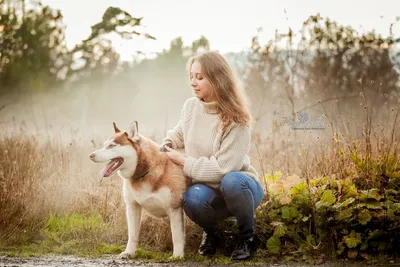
<point x="280" y="187"/>
<point x="327" y="200"/>
<point x="352" y="240"/>
<point x="272" y="178"/>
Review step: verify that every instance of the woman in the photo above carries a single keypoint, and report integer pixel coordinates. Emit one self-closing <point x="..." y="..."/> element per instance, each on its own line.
<point x="214" y="129"/>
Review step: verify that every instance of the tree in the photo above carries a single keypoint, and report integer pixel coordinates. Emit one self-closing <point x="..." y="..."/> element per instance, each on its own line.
<point x="95" y="55"/>
<point x="33" y="53"/>
<point x="324" y="62"/>
<point x="32" y="46"/>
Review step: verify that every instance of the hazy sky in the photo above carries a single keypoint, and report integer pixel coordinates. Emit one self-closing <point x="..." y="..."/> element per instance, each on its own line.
<point x="228" y="24"/>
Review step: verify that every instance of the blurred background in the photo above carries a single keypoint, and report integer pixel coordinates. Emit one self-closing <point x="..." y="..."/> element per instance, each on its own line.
<point x="318" y="73"/>
<point x="70" y="68"/>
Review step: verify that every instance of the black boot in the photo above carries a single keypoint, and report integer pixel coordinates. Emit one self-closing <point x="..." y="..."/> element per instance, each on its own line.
<point x="244" y="250"/>
<point x="209" y="243"/>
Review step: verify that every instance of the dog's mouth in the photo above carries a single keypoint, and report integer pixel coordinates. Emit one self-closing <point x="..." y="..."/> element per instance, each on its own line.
<point x="111" y="167"/>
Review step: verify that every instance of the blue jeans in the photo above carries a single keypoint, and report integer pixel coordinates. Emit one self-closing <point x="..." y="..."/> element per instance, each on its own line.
<point x="239" y="197"/>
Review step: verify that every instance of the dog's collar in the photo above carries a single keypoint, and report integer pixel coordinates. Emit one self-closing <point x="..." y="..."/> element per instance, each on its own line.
<point x="141" y="176"/>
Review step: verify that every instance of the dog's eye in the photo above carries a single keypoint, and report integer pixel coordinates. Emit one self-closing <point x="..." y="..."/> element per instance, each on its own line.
<point x="110" y="146"/>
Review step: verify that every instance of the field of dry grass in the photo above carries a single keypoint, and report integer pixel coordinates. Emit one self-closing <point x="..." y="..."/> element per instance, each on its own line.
<point x="42" y="176"/>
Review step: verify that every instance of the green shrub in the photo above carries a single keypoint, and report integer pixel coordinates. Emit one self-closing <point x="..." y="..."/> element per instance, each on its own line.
<point x="354" y="216"/>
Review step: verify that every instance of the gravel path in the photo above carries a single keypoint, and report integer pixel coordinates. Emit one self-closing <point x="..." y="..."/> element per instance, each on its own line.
<point x="69" y="261"/>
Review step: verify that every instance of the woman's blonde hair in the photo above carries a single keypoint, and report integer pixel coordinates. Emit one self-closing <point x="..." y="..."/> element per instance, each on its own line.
<point x="232" y="101"/>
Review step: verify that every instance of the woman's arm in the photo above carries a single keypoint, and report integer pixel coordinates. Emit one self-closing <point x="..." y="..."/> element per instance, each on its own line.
<point x="175" y="137"/>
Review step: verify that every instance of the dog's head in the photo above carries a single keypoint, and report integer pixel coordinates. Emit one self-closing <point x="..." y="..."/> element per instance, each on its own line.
<point x="120" y="151"/>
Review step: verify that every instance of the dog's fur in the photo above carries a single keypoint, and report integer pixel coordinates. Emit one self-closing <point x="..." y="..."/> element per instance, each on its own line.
<point x="150" y="181"/>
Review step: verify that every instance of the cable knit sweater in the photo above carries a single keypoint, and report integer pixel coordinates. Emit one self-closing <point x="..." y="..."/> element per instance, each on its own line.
<point x="210" y="153"/>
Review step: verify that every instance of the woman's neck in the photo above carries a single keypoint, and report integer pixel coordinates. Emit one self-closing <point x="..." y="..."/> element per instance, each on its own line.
<point x="208" y="100"/>
<point x="209" y="107"/>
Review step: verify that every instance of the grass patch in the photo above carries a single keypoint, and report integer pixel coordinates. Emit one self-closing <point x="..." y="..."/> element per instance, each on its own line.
<point x="85" y="235"/>
<point x="78" y="234"/>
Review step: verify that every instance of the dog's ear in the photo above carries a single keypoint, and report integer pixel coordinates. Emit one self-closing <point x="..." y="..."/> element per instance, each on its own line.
<point x="133" y="131"/>
<point x="116" y="128"/>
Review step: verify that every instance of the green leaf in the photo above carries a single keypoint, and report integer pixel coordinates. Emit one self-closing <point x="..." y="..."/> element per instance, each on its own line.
<point x="280" y="230"/>
<point x="274" y="244"/>
<point x="344" y="214"/>
<point x="352" y="240"/>
<point x="299" y="189"/>
<point x="364" y="217"/>
<point x="327" y="199"/>
<point x="270" y="179"/>
<point x="340" y="249"/>
<point x="289" y="213"/>
<point x="396" y="207"/>
<point x="370" y="194"/>
<point x="345" y="203"/>
<point x="374" y="204"/>
<point x="351" y="191"/>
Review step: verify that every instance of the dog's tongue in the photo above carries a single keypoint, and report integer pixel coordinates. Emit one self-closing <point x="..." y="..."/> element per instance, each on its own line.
<point x="106" y="171"/>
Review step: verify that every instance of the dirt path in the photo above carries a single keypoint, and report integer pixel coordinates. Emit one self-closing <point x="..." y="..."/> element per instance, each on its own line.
<point x="69" y="261"/>
<point x="111" y="261"/>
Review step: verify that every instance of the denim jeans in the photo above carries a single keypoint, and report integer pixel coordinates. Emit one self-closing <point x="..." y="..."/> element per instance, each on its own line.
<point x="239" y="196"/>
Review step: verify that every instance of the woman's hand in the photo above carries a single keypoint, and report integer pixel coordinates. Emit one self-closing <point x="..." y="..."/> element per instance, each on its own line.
<point x="176" y="157"/>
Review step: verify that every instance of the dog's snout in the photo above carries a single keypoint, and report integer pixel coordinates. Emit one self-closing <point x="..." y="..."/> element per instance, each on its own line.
<point x="92" y="155"/>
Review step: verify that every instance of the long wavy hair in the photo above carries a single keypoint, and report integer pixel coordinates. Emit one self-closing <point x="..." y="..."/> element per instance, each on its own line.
<point x="232" y="101"/>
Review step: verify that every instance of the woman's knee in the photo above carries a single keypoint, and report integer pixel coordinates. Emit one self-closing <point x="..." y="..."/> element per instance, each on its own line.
<point x="193" y="196"/>
<point x="197" y="205"/>
<point x="197" y="198"/>
<point x="233" y="182"/>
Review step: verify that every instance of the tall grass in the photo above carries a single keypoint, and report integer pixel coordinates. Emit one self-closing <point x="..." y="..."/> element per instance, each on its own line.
<point x="43" y="181"/>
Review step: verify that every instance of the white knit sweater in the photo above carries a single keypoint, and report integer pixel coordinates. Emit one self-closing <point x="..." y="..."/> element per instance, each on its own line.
<point x="210" y="153"/>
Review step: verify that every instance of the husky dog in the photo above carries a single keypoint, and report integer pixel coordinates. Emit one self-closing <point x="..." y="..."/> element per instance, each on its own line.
<point x="150" y="181"/>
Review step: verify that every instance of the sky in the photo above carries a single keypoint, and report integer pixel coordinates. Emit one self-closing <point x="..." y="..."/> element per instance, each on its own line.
<point x="229" y="25"/>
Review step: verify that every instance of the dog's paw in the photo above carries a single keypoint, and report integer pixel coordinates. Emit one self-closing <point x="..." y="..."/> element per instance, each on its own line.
<point x="176" y="257"/>
<point x="127" y="255"/>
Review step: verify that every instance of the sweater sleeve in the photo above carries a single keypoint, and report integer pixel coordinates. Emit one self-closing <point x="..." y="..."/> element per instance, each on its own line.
<point x="175" y="136"/>
<point x="229" y="158"/>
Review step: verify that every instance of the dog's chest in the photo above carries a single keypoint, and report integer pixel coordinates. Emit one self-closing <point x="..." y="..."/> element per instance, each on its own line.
<point x="157" y="203"/>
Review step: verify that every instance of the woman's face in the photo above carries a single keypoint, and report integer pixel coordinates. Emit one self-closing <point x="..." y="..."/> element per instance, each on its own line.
<point x="201" y="86"/>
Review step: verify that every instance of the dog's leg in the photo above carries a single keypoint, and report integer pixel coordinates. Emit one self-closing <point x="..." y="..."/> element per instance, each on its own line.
<point x="178" y="232"/>
<point x="133" y="215"/>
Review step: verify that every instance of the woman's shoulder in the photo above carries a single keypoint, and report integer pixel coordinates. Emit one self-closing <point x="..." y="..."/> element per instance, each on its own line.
<point x="240" y="126"/>
<point x="190" y="103"/>
<point x="237" y="128"/>
<point x="191" y="100"/>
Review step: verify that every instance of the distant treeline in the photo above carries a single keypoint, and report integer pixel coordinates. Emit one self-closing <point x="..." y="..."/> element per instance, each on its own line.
<point x="324" y="61"/>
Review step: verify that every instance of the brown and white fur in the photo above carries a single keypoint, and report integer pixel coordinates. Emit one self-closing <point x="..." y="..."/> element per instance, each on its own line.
<point x="150" y="181"/>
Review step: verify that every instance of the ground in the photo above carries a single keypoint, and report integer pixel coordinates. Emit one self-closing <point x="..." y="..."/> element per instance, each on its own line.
<point x="111" y="261"/>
